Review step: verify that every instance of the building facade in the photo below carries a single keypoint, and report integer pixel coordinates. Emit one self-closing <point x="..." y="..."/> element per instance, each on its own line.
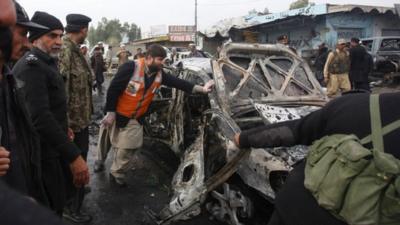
<point x="310" y="26"/>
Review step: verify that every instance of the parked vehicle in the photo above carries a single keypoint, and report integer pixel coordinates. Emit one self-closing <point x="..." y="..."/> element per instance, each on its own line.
<point x="386" y="54"/>
<point x="254" y="85"/>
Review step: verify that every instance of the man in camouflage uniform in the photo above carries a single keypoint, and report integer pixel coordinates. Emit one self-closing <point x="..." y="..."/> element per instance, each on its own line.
<point x="78" y="79"/>
<point x="336" y="70"/>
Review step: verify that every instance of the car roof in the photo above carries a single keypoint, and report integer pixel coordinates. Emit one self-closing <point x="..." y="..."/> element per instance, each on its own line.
<point x="380" y="37"/>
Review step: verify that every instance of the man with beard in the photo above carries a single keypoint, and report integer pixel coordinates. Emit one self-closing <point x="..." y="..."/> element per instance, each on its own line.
<point x="18" y="210"/>
<point x="46" y="100"/>
<point x="17" y="133"/>
<point x="128" y="98"/>
<point x="78" y="79"/>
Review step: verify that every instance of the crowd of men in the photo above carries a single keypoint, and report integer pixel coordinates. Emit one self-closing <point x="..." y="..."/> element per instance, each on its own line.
<point x="344" y="68"/>
<point x="46" y="107"/>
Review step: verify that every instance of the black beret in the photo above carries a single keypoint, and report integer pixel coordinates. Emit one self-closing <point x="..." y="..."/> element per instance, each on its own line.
<point x="23" y="19"/>
<point x="75" y="22"/>
<point x="47" y="20"/>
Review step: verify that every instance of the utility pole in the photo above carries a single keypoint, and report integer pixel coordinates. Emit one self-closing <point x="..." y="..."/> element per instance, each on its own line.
<point x="195" y="22"/>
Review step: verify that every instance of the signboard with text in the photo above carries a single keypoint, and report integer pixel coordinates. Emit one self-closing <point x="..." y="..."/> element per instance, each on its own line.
<point x="181" y="29"/>
<point x="181" y="37"/>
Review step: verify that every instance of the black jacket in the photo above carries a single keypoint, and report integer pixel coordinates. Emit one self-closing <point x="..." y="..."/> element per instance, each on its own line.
<point x="24" y="174"/>
<point x="19" y="210"/>
<point x="121" y="80"/>
<point x="359" y="64"/>
<point x="46" y="100"/>
<point x="321" y="59"/>
<point x="98" y="66"/>
<point x="346" y="115"/>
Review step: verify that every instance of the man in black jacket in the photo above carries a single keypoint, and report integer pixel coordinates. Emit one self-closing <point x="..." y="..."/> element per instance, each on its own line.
<point x="349" y="114"/>
<point x="320" y="63"/>
<point x="359" y="66"/>
<point x="128" y="98"/>
<point x="17" y="133"/>
<point x="98" y="66"/>
<point x="17" y="209"/>
<point x="46" y="100"/>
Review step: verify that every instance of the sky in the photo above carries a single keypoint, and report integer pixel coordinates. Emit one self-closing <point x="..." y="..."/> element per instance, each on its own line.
<point x="147" y="13"/>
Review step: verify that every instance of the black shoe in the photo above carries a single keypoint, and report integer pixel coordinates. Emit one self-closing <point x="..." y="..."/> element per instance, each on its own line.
<point x="117" y="181"/>
<point x="77" y="217"/>
<point x="98" y="166"/>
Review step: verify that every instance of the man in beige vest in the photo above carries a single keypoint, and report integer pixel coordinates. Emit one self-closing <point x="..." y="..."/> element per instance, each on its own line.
<point x="336" y="70"/>
<point x="123" y="55"/>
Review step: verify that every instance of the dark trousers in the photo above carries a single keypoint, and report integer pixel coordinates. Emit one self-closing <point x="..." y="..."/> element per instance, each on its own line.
<point x="82" y="141"/>
<point x="275" y="219"/>
<point x="54" y="184"/>
<point x="76" y="195"/>
<point x="357" y="85"/>
<point x="320" y="77"/>
<point x="295" y="205"/>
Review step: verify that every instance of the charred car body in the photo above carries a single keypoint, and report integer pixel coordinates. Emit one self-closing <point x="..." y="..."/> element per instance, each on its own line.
<point x="254" y="85"/>
<point x="385" y="52"/>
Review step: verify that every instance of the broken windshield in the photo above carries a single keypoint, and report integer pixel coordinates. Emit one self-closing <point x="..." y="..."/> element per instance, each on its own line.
<point x="390" y="45"/>
<point x="250" y="74"/>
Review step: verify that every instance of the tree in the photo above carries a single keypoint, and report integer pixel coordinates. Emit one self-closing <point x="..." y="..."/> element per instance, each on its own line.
<point x="112" y="31"/>
<point x="139" y="33"/>
<point x="300" y="4"/>
<point x="266" y="11"/>
<point x="254" y="12"/>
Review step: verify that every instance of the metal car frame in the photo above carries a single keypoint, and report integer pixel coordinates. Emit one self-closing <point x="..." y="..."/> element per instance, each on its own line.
<point x="252" y="98"/>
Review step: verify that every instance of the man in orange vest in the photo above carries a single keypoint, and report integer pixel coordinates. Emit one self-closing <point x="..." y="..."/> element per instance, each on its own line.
<point x="128" y="99"/>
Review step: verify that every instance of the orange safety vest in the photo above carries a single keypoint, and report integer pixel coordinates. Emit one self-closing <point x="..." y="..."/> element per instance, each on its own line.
<point x="134" y="102"/>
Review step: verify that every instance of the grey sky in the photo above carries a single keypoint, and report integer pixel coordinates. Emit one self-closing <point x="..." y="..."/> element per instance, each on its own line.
<point x="146" y="13"/>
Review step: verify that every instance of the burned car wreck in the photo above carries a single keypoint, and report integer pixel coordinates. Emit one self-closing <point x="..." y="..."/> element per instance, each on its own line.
<point x="385" y="52"/>
<point x="254" y="85"/>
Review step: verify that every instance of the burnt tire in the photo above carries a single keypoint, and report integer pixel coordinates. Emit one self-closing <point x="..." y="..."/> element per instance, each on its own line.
<point x="261" y="208"/>
<point x="161" y="155"/>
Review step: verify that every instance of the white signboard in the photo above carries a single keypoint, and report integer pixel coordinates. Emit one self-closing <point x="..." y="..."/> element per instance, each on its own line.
<point x="181" y="37"/>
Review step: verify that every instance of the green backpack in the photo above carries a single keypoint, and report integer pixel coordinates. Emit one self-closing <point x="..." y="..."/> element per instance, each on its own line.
<point x="357" y="185"/>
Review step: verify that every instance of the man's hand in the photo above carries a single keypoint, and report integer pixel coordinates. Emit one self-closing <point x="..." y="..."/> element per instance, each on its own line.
<point x="4" y="161"/>
<point x="207" y="88"/>
<point x="109" y="119"/>
<point x="236" y="139"/>
<point x="71" y="134"/>
<point x="80" y="172"/>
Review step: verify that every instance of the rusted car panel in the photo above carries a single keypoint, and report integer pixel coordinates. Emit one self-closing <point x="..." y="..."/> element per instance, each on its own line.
<point x="254" y="85"/>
